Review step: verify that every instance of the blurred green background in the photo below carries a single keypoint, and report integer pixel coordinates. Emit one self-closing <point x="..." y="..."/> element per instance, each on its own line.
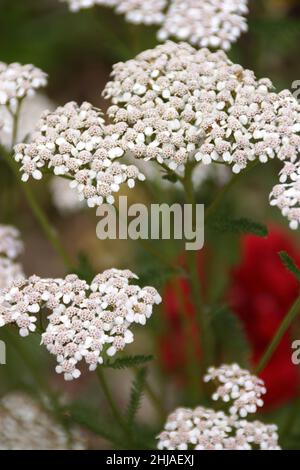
<point x="78" y="51"/>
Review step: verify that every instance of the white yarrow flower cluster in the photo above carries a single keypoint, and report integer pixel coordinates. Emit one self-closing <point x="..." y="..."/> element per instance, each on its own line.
<point x="286" y="194"/>
<point x="10" y="248"/>
<point x="181" y="103"/>
<point x="209" y="23"/>
<point x="140" y="11"/>
<point x="238" y="388"/>
<point x="10" y="244"/>
<point x="25" y="425"/>
<point x="206" y="23"/>
<point x="206" y="429"/>
<point x="85" y="321"/>
<point x="19" y="81"/>
<point x="74" y="142"/>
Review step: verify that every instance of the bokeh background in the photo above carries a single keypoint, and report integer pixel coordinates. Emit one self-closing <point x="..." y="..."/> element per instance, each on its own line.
<point x="78" y="51"/>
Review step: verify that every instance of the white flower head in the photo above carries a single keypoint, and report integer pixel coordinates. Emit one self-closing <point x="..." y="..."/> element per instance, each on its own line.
<point x="205" y="429"/>
<point x="10" y="271"/>
<point x="74" y="142"/>
<point x="85" y="322"/>
<point x="286" y="194"/>
<point x="237" y="387"/>
<point x="181" y="103"/>
<point x="11" y="245"/>
<point x="209" y="23"/>
<point x="19" y="81"/>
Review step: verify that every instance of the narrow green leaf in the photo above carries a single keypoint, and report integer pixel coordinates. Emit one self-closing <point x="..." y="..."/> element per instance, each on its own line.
<point x="290" y="264"/>
<point x="127" y="362"/>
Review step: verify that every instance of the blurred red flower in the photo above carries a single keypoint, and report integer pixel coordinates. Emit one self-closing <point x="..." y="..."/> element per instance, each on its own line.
<point x="261" y="292"/>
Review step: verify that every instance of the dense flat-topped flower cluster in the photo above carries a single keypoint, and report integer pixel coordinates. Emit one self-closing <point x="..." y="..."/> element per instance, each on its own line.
<point x="85" y="321"/>
<point x="214" y="23"/>
<point x="73" y="141"/>
<point x="181" y="103"/>
<point x="10" y="248"/>
<point x="206" y="429"/>
<point x="171" y="105"/>
<point x="25" y="425"/>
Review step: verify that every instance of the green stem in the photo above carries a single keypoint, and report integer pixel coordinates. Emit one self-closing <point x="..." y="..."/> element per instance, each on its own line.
<point x="150" y="248"/>
<point x="192" y="265"/>
<point x="193" y="367"/>
<point x="39" y="214"/>
<point x="113" y="406"/>
<point x="286" y="323"/>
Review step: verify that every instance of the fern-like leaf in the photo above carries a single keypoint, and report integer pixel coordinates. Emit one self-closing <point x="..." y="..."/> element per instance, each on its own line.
<point x="127" y="362"/>
<point x="239" y="226"/>
<point x="136" y="394"/>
